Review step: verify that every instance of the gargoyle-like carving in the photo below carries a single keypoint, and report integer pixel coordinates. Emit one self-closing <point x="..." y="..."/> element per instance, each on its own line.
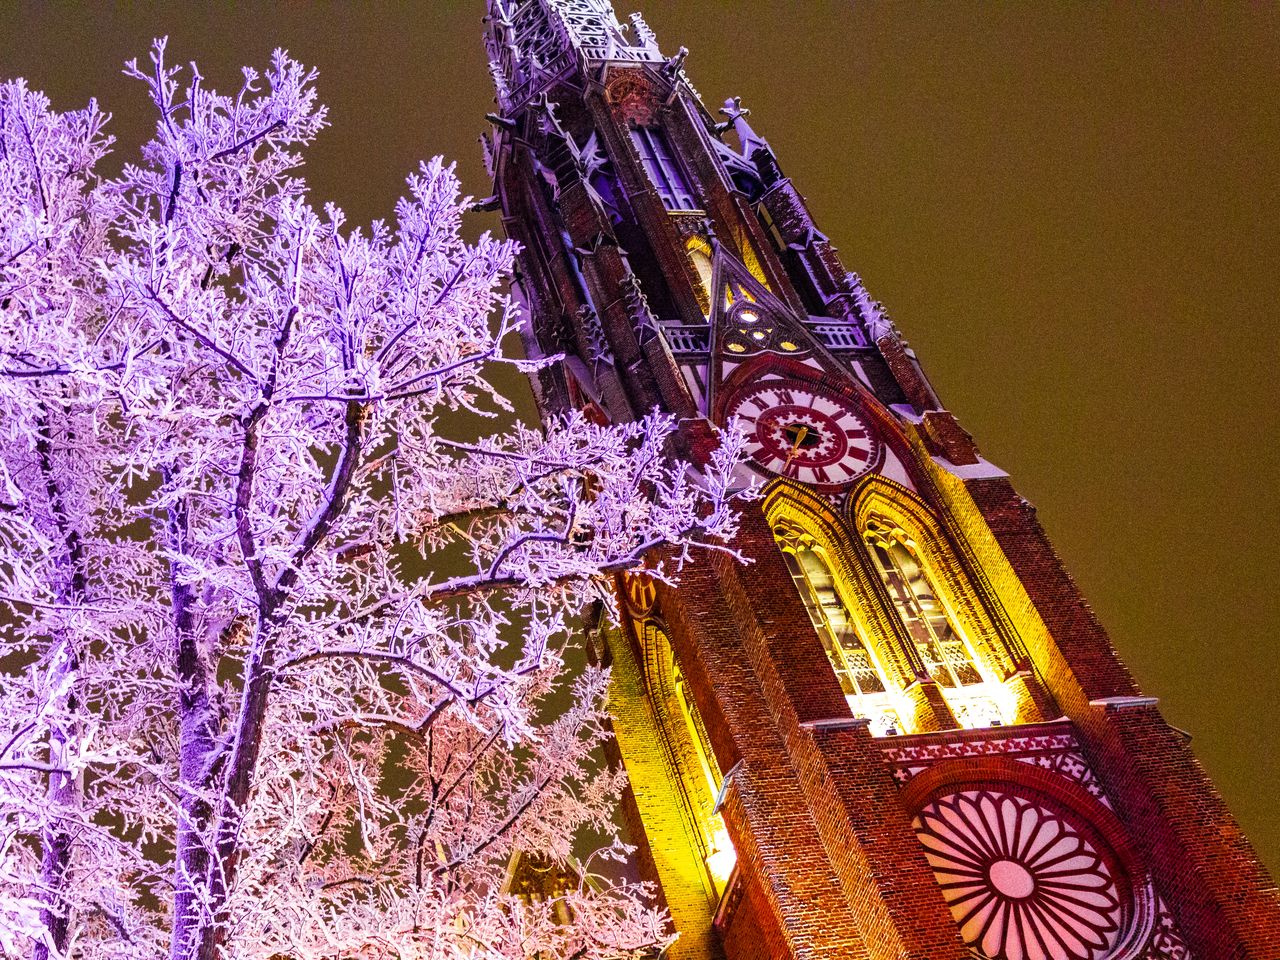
<point x="593" y="331"/>
<point x="873" y="313"/>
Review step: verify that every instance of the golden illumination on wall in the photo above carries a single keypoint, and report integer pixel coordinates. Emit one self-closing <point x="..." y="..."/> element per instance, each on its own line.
<point x="688" y="749"/>
<point x="893" y="605"/>
<point x="721" y="856"/>
<point x="974" y="694"/>
<point x="862" y="677"/>
<point x="735" y="292"/>
<point x="700" y="257"/>
<point x="750" y="260"/>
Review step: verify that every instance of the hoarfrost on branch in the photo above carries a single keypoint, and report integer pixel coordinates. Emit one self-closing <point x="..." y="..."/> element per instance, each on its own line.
<point x="284" y="615"/>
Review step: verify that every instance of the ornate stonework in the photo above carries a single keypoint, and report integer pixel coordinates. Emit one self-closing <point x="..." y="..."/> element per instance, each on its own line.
<point x="531" y="43"/>
<point x="667" y="262"/>
<point x="1052" y="747"/>
<point x="1023" y="879"/>
<point x="1167" y="943"/>
<point x="631" y="95"/>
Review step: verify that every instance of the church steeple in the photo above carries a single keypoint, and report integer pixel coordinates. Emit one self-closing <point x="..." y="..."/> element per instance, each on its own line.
<point x="603" y="144"/>
<point x="532" y="43"/>
<point x="899" y="733"/>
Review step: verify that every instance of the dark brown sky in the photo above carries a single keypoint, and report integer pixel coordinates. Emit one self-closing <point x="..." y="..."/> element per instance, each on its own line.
<point x="1070" y="210"/>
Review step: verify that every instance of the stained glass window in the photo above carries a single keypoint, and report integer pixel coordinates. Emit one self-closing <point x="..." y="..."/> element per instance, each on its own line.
<point x="1023" y="878"/>
<point x="853" y="663"/>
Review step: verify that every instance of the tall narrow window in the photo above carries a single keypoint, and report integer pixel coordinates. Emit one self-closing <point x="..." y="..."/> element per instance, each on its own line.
<point x="694" y="763"/>
<point x="943" y="650"/>
<point x="860" y="676"/>
<point x="698" y="737"/>
<point x="663" y="169"/>
<point x="700" y="257"/>
<point x="720" y="856"/>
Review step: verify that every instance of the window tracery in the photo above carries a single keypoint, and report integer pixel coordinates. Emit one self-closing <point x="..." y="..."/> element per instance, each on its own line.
<point x="894" y="607"/>
<point x="752" y="329"/>
<point x="861" y="676"/>
<point x="944" y="652"/>
<point x="1022" y="877"/>
<point x="970" y="686"/>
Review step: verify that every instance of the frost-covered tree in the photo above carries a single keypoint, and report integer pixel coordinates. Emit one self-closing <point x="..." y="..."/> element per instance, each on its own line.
<point x="282" y="645"/>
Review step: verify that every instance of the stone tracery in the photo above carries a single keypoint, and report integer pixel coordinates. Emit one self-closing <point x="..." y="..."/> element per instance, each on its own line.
<point x="1024" y="882"/>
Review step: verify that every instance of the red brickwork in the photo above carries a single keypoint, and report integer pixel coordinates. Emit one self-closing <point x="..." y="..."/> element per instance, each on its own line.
<point x="863" y="835"/>
<point x="748" y="928"/>
<point x="829" y="865"/>
<point x="1225" y="902"/>
<point x="767" y="812"/>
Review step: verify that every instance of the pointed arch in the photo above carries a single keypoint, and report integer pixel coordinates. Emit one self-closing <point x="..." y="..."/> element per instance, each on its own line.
<point x="936" y="597"/>
<point x="833" y="582"/>
<point x="684" y="740"/>
<point x="747" y="318"/>
<point x="701" y="260"/>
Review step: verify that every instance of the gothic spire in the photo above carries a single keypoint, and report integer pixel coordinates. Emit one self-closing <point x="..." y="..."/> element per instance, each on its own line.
<point x="533" y="43"/>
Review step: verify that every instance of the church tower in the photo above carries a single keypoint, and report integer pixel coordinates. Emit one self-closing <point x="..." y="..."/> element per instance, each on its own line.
<point x="899" y="732"/>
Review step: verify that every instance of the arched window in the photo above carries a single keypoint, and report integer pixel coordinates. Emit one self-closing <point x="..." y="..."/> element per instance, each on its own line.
<point x="689" y="750"/>
<point x="698" y="738"/>
<point x="663" y="168"/>
<point x="975" y="698"/>
<point x="700" y="256"/>
<point x="940" y="646"/>
<point x="861" y="677"/>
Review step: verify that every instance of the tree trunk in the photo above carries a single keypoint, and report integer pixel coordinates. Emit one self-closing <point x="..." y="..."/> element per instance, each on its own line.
<point x="246" y="746"/>
<point x="63" y="789"/>
<point x="197" y="740"/>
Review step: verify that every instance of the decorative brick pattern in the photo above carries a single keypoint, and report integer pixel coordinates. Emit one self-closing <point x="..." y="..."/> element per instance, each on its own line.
<point x="1050" y="746"/>
<point x="1166" y="942"/>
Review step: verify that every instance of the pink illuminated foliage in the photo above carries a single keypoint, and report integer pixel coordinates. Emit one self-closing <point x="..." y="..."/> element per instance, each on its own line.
<point x="283" y="666"/>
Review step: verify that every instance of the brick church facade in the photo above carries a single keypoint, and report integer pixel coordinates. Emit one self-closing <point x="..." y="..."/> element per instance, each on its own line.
<point x="899" y="732"/>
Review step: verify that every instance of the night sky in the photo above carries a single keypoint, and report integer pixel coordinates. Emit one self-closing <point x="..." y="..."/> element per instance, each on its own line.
<point x="1072" y="217"/>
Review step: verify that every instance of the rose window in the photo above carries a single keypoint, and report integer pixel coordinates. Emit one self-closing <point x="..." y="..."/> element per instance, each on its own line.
<point x="1022" y="880"/>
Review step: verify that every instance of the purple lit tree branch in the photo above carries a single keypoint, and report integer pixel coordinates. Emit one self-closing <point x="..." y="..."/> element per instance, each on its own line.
<point x="280" y="653"/>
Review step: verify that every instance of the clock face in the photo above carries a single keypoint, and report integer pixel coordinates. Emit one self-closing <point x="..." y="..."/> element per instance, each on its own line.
<point x="806" y="434"/>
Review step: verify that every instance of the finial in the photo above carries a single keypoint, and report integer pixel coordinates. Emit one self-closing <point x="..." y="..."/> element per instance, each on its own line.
<point x="874" y="317"/>
<point x="590" y="154"/>
<point x="499" y="80"/>
<point x="490" y="156"/>
<point x="644" y="35"/>
<point x="597" y="343"/>
<point x="638" y="308"/>
<point x="737" y="114"/>
<point x="550" y="122"/>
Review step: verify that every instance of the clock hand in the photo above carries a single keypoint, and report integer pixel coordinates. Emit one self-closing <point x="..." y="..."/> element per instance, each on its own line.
<point x="795" y="447"/>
